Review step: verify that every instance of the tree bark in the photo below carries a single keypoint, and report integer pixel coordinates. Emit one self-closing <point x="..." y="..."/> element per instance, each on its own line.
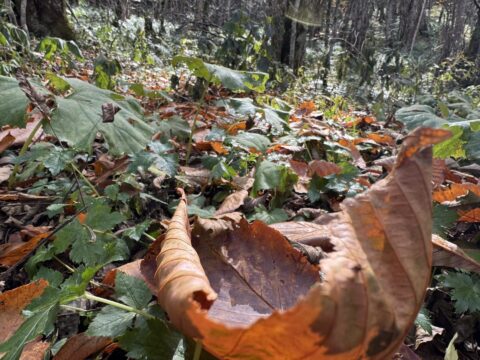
<point x="474" y="45"/>
<point x="11" y="14"/>
<point x="23" y="15"/>
<point x="47" y="18"/>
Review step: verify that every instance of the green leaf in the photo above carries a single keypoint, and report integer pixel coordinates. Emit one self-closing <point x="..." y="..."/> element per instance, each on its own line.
<point x="453" y="147"/>
<point x="239" y="81"/>
<point x="137" y="231"/>
<point x="419" y="115"/>
<point x="251" y="140"/>
<point x="269" y="217"/>
<point x="151" y="340"/>
<point x="100" y="216"/>
<point x="132" y="291"/>
<point x="175" y="127"/>
<point x="13" y="104"/>
<point x="77" y="283"/>
<point x="58" y="83"/>
<point x="451" y="352"/>
<point x="443" y="219"/>
<point x="41" y="315"/>
<point x="78" y="118"/>
<point x="53" y="277"/>
<point x="465" y="290"/>
<point x="269" y="176"/>
<point x="423" y="320"/>
<point x="111" y="322"/>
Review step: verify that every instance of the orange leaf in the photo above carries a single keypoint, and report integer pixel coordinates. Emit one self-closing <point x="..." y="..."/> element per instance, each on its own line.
<point x="307" y="107"/>
<point x="82" y="217"/>
<point x="235" y="128"/>
<point x="12" y="303"/>
<point x="471" y="216"/>
<point x="382" y="139"/>
<point x="6" y="141"/>
<point x="218" y="147"/>
<point x="357" y="157"/>
<point x="271" y="304"/>
<point x="10" y="254"/>
<point x="455" y="191"/>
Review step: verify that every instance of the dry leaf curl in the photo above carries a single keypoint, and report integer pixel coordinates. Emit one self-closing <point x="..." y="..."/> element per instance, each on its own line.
<point x="373" y="283"/>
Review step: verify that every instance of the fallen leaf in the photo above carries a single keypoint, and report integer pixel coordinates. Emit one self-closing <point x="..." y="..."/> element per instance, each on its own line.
<point x="11" y="254"/>
<point x="5" y="172"/>
<point x="232" y="202"/>
<point x="357" y="157"/>
<point x="81" y="346"/>
<point x="218" y="224"/>
<point x="454" y="191"/>
<point x="6" y="141"/>
<point x="323" y="168"/>
<point x="35" y="350"/>
<point x="12" y="303"/>
<point x="306" y="233"/>
<point x="374" y="282"/>
<point x="381" y="138"/>
<point x="470" y="216"/>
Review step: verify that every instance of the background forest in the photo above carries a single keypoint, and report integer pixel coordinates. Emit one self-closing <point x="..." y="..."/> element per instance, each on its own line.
<point x="297" y="134"/>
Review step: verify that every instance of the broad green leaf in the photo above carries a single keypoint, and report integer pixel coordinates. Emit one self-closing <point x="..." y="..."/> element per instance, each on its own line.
<point x="251" y="140"/>
<point x="269" y="175"/>
<point x="465" y="290"/>
<point x="53" y="277"/>
<point x="111" y="322"/>
<point x="132" y="291"/>
<point x="152" y="340"/>
<point x="239" y="81"/>
<point x="137" y="231"/>
<point x="77" y="283"/>
<point x="58" y="83"/>
<point x="13" y="103"/>
<point x="78" y="118"/>
<point x="419" y="115"/>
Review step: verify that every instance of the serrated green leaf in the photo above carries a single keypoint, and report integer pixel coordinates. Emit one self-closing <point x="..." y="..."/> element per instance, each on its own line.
<point x="78" y="118"/>
<point x="111" y="322"/>
<point x="269" y="217"/>
<point x="465" y="290"/>
<point x="150" y="341"/>
<point x="443" y="219"/>
<point x="53" y="277"/>
<point x="137" y="231"/>
<point x="77" y="283"/>
<point x="132" y="291"/>
<point x="100" y="217"/>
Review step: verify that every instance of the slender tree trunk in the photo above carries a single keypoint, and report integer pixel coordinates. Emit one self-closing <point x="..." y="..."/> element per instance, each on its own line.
<point x="11" y="14"/>
<point x="474" y="45"/>
<point x="23" y="15"/>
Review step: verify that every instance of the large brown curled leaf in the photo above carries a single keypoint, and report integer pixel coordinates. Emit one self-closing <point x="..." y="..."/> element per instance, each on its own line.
<point x="270" y="304"/>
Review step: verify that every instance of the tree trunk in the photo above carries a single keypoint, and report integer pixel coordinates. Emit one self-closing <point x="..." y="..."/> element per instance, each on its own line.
<point x="47" y="18"/>
<point x="11" y="14"/>
<point x="474" y="46"/>
<point x="23" y="15"/>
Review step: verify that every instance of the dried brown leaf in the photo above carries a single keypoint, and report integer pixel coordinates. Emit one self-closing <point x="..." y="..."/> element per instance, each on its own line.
<point x="374" y="284"/>
<point x="232" y="202"/>
<point x="81" y="346"/>
<point x="448" y="254"/>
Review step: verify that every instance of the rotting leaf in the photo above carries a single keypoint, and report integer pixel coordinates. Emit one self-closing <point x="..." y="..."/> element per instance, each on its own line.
<point x="373" y="289"/>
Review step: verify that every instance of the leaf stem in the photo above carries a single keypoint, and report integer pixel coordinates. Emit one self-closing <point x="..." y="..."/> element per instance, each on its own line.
<point x="90" y="185"/>
<point x="118" y="305"/>
<point x="26" y="144"/>
<point x="198" y="350"/>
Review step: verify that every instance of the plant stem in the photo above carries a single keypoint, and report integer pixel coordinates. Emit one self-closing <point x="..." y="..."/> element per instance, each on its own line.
<point x="65" y="265"/>
<point x="198" y="350"/>
<point x="90" y="185"/>
<point x="118" y="305"/>
<point x="13" y="176"/>
<point x="190" y="138"/>
<point x="150" y="237"/>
